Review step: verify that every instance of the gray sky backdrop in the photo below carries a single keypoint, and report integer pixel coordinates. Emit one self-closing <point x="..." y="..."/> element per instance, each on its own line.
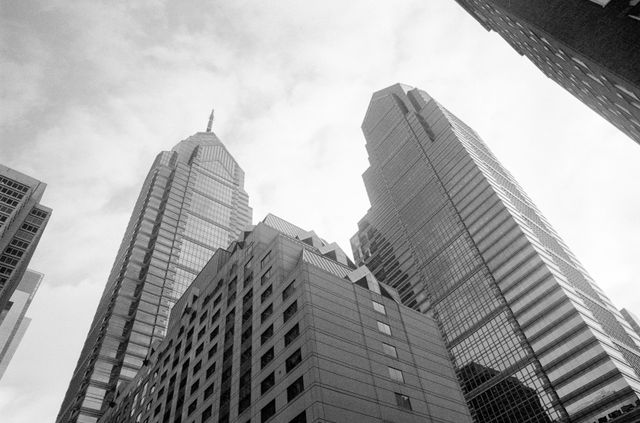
<point x="91" y="91"/>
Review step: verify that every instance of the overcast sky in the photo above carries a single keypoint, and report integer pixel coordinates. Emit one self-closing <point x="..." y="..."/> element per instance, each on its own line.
<point x="92" y="91"/>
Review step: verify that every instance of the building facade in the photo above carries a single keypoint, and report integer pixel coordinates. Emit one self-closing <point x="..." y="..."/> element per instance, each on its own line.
<point x="15" y="323"/>
<point x="282" y="327"/>
<point x="22" y="221"/>
<point x="589" y="47"/>
<point x="531" y="336"/>
<point x="191" y="203"/>
<point x="632" y="319"/>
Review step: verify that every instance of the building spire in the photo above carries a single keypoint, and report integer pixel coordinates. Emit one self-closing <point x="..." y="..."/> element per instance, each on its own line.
<point x="210" y="121"/>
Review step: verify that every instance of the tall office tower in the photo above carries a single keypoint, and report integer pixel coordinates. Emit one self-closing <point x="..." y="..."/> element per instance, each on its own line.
<point x="15" y="323"/>
<point x="531" y="336"/>
<point x="22" y="221"/>
<point x="191" y="203"/>
<point x="589" y="47"/>
<point x="282" y="327"/>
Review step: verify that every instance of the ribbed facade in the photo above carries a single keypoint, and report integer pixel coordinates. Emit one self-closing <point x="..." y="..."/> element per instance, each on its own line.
<point x="282" y="328"/>
<point x="191" y="203"/>
<point x="588" y="47"/>
<point x="22" y="221"/>
<point x="452" y="230"/>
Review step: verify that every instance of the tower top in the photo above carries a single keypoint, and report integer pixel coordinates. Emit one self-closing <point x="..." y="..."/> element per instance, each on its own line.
<point x="210" y="121"/>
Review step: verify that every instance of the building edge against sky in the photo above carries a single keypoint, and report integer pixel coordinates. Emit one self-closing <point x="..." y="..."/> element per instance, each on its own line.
<point x="453" y="232"/>
<point x="192" y="202"/>
<point x="589" y="47"/>
<point x="281" y="326"/>
<point x="14" y="323"/>
<point x="22" y="222"/>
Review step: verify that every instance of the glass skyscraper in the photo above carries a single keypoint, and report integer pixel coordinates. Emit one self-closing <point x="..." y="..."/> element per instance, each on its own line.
<point x="531" y="336"/>
<point x="589" y="47"/>
<point x="191" y="203"/>
<point x="22" y="221"/>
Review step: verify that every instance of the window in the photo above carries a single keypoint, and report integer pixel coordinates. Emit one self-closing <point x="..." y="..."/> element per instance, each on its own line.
<point x="206" y="413"/>
<point x="210" y="370"/>
<point x="295" y="389"/>
<point x="403" y="401"/>
<point x="266" y="335"/>
<point x="293" y="360"/>
<point x="265" y="260"/>
<point x="266" y="313"/>
<point x="384" y="328"/>
<point x="266" y="294"/>
<point x="192" y="407"/>
<point x="194" y="387"/>
<point x="300" y="418"/>
<point x="265" y="277"/>
<point x="288" y="290"/>
<point x="396" y="375"/>
<point x="247" y="280"/>
<point x="268" y="411"/>
<point x="197" y="367"/>
<point x="208" y="391"/>
<point x="290" y="311"/>
<point x="266" y="358"/>
<point x="291" y="335"/>
<point x="212" y="351"/>
<point x="389" y="350"/>
<point x="214" y="333"/>
<point x="379" y="307"/>
<point x="267" y="383"/>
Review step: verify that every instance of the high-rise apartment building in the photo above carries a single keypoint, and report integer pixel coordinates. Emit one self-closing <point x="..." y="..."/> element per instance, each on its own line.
<point x="282" y="327"/>
<point x="22" y="221"/>
<point x="15" y="323"/>
<point x="531" y="336"/>
<point x="632" y="319"/>
<point x="589" y="47"/>
<point x="191" y="203"/>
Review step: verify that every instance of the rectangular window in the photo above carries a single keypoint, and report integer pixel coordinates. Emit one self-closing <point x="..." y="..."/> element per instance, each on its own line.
<point x="291" y="335"/>
<point x="268" y="411"/>
<point x="290" y="311"/>
<point x="293" y="360"/>
<point x="197" y="367"/>
<point x="266" y="294"/>
<point x="266" y="358"/>
<point x="389" y="350"/>
<point x="194" y="387"/>
<point x="206" y="414"/>
<point x="214" y="333"/>
<point x="295" y="389"/>
<point x="384" y="328"/>
<point x="288" y="290"/>
<point x="266" y="335"/>
<point x="300" y="418"/>
<point x="403" y="401"/>
<point x="192" y="407"/>
<point x="247" y="280"/>
<point x="265" y="260"/>
<point x="267" y="383"/>
<point x="266" y="313"/>
<point x="212" y="351"/>
<point x="265" y="277"/>
<point x="379" y="307"/>
<point x="210" y="370"/>
<point x="396" y="375"/>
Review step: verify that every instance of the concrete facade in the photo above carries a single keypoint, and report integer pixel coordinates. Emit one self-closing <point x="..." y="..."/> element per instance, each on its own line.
<point x="282" y="327"/>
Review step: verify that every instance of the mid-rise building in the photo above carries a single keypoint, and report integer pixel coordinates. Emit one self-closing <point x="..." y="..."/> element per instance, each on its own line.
<point x="15" y="322"/>
<point x="589" y="47"/>
<point x="192" y="202"/>
<point x="22" y="221"/>
<point x="531" y="336"/>
<point x="282" y="327"/>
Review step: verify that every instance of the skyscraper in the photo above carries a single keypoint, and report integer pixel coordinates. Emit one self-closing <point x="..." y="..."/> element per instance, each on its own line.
<point x="22" y="221"/>
<point x="15" y="323"/>
<point x="454" y="233"/>
<point x="282" y="327"/>
<point x="191" y="203"/>
<point x="589" y="47"/>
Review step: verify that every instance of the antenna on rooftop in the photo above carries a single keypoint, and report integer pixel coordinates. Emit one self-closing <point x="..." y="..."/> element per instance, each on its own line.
<point x="210" y="121"/>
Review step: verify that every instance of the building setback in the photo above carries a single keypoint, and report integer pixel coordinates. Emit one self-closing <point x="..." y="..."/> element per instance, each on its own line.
<point x="531" y="336"/>
<point x="22" y="221"/>
<point x="282" y="327"/>
<point x="14" y="323"/>
<point x="191" y="203"/>
<point x="589" y="47"/>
